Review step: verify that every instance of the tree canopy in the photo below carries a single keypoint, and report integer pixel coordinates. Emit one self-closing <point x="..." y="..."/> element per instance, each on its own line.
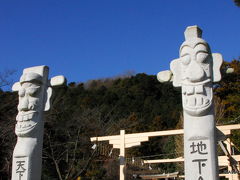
<point x="237" y="2"/>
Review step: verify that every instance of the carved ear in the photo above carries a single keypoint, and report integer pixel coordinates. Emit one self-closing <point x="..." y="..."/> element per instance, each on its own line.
<point x="175" y="67"/>
<point x="48" y="98"/>
<point x="58" y="81"/>
<point x="16" y="86"/>
<point x="164" y="76"/>
<point x="217" y="63"/>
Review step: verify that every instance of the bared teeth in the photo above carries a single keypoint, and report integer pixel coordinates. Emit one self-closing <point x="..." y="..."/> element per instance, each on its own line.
<point x="199" y="101"/>
<point x="185" y="100"/>
<point x="20" y="118"/>
<point x="30" y="116"/>
<point x="190" y="90"/>
<point x="24" y="124"/>
<point x="199" y="89"/>
<point x="192" y="101"/>
<point x="184" y="89"/>
<point x="25" y="118"/>
<point x="206" y="101"/>
<point x="196" y="97"/>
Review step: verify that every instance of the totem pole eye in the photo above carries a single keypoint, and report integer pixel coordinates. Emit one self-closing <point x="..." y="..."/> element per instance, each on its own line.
<point x="21" y="92"/>
<point x="186" y="59"/>
<point x="202" y="56"/>
<point x="32" y="91"/>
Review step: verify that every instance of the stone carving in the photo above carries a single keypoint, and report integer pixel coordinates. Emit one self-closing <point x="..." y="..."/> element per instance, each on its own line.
<point x="195" y="71"/>
<point x="34" y="90"/>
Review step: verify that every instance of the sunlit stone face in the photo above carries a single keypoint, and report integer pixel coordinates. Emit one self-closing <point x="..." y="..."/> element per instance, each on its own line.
<point x="194" y="71"/>
<point x="28" y="107"/>
<point x="196" y="64"/>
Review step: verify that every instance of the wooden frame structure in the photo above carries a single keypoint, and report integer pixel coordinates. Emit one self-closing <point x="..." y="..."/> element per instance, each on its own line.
<point x="233" y="169"/>
<point x="124" y="141"/>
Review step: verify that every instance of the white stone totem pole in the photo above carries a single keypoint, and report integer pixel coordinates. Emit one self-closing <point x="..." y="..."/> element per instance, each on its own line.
<point x="195" y="71"/>
<point x="34" y="90"/>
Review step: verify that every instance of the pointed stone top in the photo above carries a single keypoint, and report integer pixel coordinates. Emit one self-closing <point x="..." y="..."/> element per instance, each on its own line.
<point x="193" y="32"/>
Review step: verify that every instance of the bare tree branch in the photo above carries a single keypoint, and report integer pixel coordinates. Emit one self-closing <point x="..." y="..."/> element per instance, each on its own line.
<point x="5" y="78"/>
<point x="53" y="158"/>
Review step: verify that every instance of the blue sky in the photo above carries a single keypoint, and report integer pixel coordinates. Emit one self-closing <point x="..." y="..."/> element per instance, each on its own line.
<point x="92" y="39"/>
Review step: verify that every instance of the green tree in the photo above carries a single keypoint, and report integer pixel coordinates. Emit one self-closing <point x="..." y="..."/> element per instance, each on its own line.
<point x="237" y="2"/>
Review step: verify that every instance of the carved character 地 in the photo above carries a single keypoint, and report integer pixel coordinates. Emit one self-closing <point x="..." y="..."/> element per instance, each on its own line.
<point x="195" y="71"/>
<point x="199" y="147"/>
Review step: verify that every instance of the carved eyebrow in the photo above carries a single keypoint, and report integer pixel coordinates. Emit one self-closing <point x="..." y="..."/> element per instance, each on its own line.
<point x="184" y="46"/>
<point x="183" y="54"/>
<point x="184" y="50"/>
<point x="201" y="47"/>
<point x="33" y="88"/>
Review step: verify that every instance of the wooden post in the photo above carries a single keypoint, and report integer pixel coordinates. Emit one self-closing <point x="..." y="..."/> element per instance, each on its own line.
<point x="122" y="155"/>
<point x="124" y="141"/>
<point x="230" y="169"/>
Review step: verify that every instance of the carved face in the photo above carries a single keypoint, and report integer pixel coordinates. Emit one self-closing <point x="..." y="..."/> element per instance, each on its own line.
<point x="28" y="107"/>
<point x="194" y="71"/>
<point x="34" y="98"/>
<point x="196" y="65"/>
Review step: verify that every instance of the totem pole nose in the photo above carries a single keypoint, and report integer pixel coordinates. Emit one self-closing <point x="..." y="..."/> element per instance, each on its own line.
<point x="195" y="72"/>
<point x="23" y="105"/>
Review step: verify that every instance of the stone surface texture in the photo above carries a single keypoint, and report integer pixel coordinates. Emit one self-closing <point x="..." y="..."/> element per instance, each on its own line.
<point x="195" y="71"/>
<point x="164" y="76"/>
<point x="34" y="98"/>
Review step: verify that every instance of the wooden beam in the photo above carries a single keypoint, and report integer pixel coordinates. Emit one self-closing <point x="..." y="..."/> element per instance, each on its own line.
<point x="129" y="140"/>
<point x="223" y="160"/>
<point x="160" y="176"/>
<point x="225" y="129"/>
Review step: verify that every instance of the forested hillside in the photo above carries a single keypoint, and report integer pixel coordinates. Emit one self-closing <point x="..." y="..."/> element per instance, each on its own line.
<point x="137" y="103"/>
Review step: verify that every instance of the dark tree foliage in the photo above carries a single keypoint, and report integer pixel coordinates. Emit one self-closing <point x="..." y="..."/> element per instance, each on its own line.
<point x="228" y="91"/>
<point x="237" y="2"/>
<point x="136" y="104"/>
<point x="8" y="110"/>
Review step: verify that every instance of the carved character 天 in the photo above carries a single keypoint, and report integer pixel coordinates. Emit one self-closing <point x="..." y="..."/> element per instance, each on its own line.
<point x="34" y="90"/>
<point x="20" y="168"/>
